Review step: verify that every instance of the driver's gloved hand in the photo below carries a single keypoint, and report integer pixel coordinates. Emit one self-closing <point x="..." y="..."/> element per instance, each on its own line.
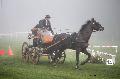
<point x="52" y="33"/>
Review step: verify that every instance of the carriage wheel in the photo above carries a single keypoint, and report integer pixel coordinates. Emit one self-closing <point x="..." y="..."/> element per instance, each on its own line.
<point x="25" y="52"/>
<point x="62" y="58"/>
<point x="34" y="55"/>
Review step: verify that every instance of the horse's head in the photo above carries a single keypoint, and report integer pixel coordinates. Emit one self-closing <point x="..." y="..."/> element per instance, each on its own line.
<point x="96" y="26"/>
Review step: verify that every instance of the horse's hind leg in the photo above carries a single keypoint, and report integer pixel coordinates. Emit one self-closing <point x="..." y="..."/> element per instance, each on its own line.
<point x="89" y="56"/>
<point x="77" y="59"/>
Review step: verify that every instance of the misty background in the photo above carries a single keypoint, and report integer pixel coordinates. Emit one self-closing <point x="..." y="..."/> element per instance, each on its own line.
<point x="23" y="15"/>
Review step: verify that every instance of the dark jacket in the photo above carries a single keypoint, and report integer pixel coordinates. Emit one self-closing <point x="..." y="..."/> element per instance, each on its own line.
<point x="43" y="24"/>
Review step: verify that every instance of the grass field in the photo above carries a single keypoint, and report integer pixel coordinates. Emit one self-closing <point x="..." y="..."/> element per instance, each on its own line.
<point x="12" y="67"/>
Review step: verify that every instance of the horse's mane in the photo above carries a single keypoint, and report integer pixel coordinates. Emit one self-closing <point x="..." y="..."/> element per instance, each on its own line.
<point x="84" y="25"/>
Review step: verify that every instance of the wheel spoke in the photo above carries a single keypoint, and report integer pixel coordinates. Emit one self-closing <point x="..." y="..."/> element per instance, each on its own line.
<point x="35" y="56"/>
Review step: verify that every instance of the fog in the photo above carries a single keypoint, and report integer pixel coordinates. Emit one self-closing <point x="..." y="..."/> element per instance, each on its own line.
<point x="22" y="15"/>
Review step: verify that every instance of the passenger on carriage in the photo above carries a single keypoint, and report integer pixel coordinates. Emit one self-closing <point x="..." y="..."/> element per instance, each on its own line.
<point x="43" y="32"/>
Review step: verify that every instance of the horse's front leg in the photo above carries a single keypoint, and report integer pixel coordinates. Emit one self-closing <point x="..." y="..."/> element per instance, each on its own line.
<point x="77" y="58"/>
<point x="89" y="56"/>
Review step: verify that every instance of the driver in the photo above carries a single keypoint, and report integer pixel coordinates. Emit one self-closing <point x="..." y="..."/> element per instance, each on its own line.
<point x="45" y="23"/>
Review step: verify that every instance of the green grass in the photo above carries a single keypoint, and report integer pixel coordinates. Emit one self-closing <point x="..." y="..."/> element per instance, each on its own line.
<point x="14" y="68"/>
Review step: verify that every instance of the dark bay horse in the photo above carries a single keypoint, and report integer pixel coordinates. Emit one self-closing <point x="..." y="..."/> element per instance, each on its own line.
<point x="78" y="41"/>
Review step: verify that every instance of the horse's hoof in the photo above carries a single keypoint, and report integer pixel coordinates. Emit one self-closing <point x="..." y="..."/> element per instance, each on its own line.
<point x="76" y="67"/>
<point x="79" y="68"/>
<point x="82" y="63"/>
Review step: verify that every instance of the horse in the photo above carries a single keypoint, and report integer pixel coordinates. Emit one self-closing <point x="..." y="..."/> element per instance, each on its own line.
<point x="78" y="41"/>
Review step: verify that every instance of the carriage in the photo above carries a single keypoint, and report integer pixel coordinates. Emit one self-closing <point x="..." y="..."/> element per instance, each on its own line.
<point x="43" y="45"/>
<point x="54" y="46"/>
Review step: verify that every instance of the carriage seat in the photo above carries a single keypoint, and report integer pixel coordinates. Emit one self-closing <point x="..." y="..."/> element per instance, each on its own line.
<point x="43" y="34"/>
<point x="46" y="36"/>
